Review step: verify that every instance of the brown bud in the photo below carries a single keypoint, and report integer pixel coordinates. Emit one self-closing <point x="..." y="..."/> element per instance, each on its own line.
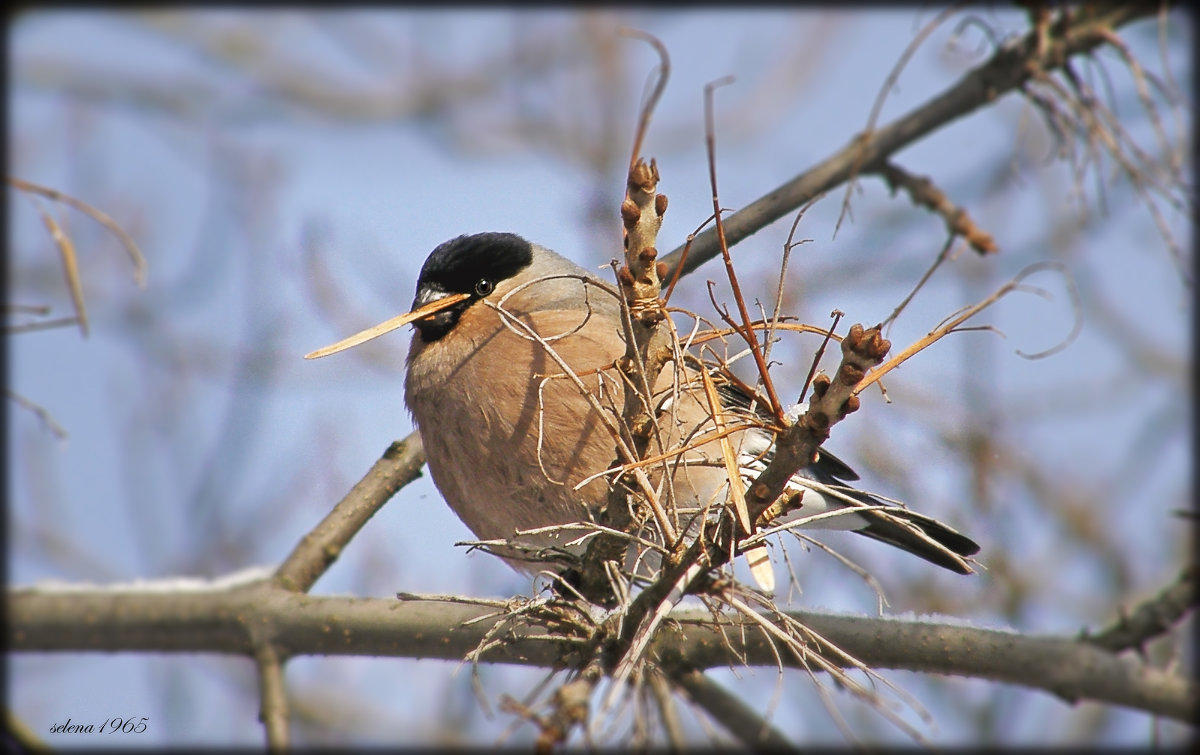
<point x="853" y="337"/>
<point x="662" y="270"/>
<point x="630" y="214"/>
<point x="660" y="204"/>
<point x="851" y="405"/>
<point x="882" y="347"/>
<point x="849" y="374"/>
<point x="647" y="254"/>
<point x="625" y="276"/>
<point x="642" y="176"/>
<point x="876" y="345"/>
<point x="820" y="384"/>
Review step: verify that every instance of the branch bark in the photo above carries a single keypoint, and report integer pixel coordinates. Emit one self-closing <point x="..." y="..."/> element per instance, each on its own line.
<point x="240" y="620"/>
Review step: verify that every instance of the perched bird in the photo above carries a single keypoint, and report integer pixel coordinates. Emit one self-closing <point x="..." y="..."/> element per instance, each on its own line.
<point x="515" y="443"/>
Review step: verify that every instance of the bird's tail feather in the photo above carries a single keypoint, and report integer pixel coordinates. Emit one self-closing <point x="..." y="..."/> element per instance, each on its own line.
<point x="885" y="528"/>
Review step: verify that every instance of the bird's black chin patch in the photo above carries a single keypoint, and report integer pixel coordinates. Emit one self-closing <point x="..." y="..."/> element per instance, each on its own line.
<point x="437" y="325"/>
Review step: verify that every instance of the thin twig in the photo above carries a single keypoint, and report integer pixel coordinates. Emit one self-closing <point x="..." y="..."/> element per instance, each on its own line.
<point x="952" y="324"/>
<point x="888" y="83"/>
<point x="923" y="192"/>
<point x="131" y="247"/>
<point x="70" y="264"/>
<point x="38" y="411"/>
<point x="271" y="690"/>
<point x="660" y="84"/>
<point x="710" y="141"/>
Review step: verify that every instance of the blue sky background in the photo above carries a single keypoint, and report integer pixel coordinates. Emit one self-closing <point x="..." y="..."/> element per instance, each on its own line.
<point x="201" y="443"/>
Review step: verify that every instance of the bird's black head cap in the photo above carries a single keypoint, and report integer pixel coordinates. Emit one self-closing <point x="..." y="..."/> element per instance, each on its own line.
<point x="472" y="265"/>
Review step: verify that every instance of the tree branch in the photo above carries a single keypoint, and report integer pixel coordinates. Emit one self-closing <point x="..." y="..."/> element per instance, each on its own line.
<point x="1152" y="618"/>
<point x="751" y="729"/>
<point x="240" y="620"/>
<point x="924" y="193"/>
<point x="400" y="464"/>
<point x="1008" y="69"/>
<point x="273" y="693"/>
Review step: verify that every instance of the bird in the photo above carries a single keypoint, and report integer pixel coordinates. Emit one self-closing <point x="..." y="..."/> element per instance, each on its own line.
<point x="510" y="380"/>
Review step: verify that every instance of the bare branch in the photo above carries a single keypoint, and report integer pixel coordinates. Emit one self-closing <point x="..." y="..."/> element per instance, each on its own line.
<point x="135" y="254"/>
<point x="70" y="265"/>
<point x="1010" y="67"/>
<point x="728" y="709"/>
<point x="923" y="192"/>
<point x="271" y="690"/>
<point x="953" y="324"/>
<point x="38" y="411"/>
<point x="660" y="84"/>
<point x="238" y="620"/>
<point x="400" y="464"/>
<point x="745" y="330"/>
<point x="1151" y="619"/>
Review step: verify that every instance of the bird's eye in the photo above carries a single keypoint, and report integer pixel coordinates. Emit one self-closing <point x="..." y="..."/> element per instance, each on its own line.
<point x="484" y="287"/>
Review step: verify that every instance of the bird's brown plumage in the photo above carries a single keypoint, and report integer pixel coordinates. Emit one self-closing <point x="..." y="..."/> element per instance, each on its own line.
<point x="508" y="436"/>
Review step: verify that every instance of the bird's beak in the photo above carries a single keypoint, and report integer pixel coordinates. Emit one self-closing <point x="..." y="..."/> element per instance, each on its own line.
<point x="425" y="310"/>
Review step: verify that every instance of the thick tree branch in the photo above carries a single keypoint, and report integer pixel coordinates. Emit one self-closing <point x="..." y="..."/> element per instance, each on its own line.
<point x="243" y="619"/>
